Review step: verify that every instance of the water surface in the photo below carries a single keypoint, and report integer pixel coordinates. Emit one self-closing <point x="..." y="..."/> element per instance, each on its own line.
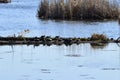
<point x="73" y="62"/>
<point x="22" y="14"/>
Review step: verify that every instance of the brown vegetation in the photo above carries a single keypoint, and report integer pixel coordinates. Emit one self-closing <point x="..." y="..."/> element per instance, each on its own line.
<point x="78" y="9"/>
<point x="99" y="37"/>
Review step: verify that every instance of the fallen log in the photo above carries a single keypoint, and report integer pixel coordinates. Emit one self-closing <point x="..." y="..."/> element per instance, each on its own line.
<point x="47" y="40"/>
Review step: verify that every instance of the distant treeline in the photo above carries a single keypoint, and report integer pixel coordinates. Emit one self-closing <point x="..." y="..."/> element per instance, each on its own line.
<point x="78" y="9"/>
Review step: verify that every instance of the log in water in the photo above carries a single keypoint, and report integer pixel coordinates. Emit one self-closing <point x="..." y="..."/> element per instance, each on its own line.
<point x="47" y="40"/>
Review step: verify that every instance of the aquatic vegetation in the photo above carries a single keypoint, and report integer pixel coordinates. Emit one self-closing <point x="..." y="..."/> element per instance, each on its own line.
<point x="99" y="37"/>
<point x="78" y="9"/>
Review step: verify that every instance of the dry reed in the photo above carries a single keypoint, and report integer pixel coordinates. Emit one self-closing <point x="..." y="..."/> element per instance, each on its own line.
<point x="99" y="37"/>
<point x="78" y="9"/>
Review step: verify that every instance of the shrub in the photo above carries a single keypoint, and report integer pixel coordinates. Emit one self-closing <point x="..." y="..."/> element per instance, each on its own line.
<point x="99" y="37"/>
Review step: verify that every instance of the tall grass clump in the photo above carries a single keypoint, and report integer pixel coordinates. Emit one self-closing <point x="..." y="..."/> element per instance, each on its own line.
<point x="99" y="37"/>
<point x="78" y="9"/>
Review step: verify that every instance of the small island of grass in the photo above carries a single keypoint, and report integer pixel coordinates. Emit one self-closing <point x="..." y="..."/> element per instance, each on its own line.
<point x="78" y="9"/>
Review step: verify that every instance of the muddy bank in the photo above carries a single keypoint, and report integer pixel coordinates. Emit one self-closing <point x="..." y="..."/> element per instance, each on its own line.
<point x="47" y="40"/>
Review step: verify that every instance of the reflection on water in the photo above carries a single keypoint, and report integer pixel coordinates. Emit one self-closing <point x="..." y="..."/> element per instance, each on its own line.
<point x="75" y="62"/>
<point x="98" y="45"/>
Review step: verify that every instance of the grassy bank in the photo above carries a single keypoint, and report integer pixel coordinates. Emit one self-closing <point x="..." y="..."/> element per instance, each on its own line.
<point x="78" y="9"/>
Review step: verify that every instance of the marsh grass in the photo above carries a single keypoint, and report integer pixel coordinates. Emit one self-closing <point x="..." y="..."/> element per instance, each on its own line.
<point x="78" y="9"/>
<point x="99" y="37"/>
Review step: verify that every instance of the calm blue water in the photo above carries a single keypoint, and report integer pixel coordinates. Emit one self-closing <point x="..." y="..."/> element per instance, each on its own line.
<point x="75" y="62"/>
<point x="21" y="14"/>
